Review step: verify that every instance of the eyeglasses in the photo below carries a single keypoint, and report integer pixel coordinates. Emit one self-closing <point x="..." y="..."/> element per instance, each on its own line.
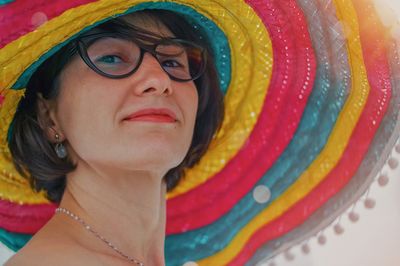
<point x="116" y="56"/>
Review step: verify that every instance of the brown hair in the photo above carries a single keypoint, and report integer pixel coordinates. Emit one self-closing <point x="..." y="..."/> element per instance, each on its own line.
<point x="34" y="156"/>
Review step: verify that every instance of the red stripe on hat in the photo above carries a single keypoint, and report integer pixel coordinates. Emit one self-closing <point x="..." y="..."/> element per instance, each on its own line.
<point x="375" y="56"/>
<point x="30" y="15"/>
<point x="278" y="121"/>
<point x="27" y="219"/>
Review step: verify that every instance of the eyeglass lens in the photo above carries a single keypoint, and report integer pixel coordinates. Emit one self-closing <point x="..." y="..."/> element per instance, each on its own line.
<point x="118" y="56"/>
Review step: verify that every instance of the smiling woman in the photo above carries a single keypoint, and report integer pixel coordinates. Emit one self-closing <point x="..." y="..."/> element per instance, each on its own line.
<point x="113" y="118"/>
<point x="59" y="85"/>
<point x="106" y="105"/>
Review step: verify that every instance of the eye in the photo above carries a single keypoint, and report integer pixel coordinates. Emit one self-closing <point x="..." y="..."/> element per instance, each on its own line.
<point x="109" y="59"/>
<point x="171" y="63"/>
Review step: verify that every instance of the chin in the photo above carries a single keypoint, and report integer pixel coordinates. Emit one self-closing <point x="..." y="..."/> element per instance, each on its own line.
<point x="156" y="157"/>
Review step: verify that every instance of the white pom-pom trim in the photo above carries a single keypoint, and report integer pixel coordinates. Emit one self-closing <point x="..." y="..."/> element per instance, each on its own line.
<point x="382" y="179"/>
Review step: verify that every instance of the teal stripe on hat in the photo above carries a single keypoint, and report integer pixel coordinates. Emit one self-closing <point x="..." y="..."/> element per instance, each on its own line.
<point x="206" y="241"/>
<point x="13" y="241"/>
<point x="5" y="2"/>
<point x="323" y="107"/>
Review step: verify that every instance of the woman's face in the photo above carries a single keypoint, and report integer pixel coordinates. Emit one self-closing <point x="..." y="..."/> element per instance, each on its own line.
<point x="93" y="113"/>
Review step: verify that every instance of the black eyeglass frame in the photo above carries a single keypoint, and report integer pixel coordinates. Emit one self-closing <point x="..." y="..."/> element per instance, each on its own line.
<point x="82" y="50"/>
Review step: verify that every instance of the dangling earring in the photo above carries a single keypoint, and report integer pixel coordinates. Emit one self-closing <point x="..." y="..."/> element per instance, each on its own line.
<point x="60" y="149"/>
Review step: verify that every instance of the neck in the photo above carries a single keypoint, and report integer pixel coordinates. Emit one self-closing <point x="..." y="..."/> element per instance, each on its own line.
<point x="127" y="209"/>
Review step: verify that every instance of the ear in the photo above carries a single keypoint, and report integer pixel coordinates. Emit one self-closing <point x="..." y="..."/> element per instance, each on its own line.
<point x="47" y="119"/>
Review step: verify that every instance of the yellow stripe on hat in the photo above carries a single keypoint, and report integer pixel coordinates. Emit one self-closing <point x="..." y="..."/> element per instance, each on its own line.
<point x="251" y="51"/>
<point x="247" y="90"/>
<point x="330" y="155"/>
<point x="7" y="111"/>
<point x="12" y="186"/>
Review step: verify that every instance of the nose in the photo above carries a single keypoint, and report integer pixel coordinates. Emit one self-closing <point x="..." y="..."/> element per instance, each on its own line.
<point x="152" y="79"/>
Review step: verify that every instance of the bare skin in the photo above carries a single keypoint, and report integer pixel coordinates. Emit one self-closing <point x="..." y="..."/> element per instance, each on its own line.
<point x="118" y="187"/>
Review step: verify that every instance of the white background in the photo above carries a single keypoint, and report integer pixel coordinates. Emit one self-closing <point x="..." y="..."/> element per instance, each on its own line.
<point x="374" y="240"/>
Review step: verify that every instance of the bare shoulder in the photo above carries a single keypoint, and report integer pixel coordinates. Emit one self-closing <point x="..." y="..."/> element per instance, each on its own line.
<point x="44" y="254"/>
<point x="61" y="255"/>
<point x="54" y="248"/>
<point x="51" y="247"/>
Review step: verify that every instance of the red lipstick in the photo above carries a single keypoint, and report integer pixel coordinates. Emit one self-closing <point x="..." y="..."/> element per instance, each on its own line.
<point x="160" y="115"/>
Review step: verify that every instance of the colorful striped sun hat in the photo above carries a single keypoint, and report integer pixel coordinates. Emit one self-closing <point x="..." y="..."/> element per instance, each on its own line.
<point x="312" y="101"/>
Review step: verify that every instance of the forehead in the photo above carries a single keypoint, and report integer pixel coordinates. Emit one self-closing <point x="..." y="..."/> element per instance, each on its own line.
<point x="148" y="22"/>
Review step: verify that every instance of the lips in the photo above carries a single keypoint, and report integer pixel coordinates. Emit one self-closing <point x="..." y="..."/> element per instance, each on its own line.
<point x="161" y="115"/>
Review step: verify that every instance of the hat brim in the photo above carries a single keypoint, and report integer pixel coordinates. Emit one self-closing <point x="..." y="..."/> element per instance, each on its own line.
<point x="311" y="117"/>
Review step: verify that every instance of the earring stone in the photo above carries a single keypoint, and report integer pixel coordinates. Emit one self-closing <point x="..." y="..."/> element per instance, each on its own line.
<point x="60" y="149"/>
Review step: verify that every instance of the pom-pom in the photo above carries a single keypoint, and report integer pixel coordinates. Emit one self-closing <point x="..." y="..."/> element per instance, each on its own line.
<point x="369" y="203"/>
<point x="322" y="240"/>
<point x="289" y="255"/>
<point x="305" y="248"/>
<point x="397" y="148"/>
<point x="338" y="229"/>
<point x="354" y="217"/>
<point x="393" y="163"/>
<point x="383" y="180"/>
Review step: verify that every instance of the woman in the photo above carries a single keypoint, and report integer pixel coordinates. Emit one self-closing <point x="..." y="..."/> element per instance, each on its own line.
<point x="310" y="115"/>
<point x="106" y="128"/>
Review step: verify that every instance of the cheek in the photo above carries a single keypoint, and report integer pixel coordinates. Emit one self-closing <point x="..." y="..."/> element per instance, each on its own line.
<point x="189" y="102"/>
<point x="84" y="108"/>
<point x="86" y="125"/>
